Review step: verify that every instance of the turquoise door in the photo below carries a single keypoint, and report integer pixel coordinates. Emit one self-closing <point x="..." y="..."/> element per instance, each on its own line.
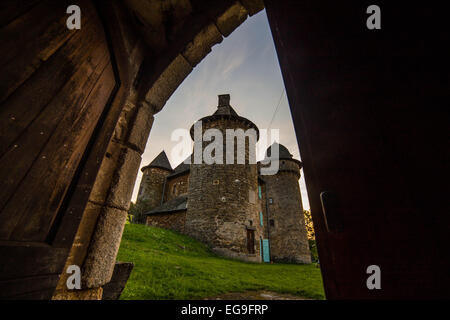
<point x="261" y="249"/>
<point x="266" y="253"/>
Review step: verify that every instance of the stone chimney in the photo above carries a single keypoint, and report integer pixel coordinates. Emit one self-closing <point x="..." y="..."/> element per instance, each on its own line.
<point x="224" y="100"/>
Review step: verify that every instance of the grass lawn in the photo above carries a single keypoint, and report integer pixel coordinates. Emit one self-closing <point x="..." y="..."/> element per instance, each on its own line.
<point x="168" y="265"/>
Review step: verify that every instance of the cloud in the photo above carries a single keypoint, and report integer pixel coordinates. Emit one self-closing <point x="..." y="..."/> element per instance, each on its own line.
<point x="235" y="61"/>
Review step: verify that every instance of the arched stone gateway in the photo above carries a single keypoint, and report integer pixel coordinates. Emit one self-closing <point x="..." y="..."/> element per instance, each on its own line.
<point x="196" y="27"/>
<point x="76" y="108"/>
<point x="149" y="57"/>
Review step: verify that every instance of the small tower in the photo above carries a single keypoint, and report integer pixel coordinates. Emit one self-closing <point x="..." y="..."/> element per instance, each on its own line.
<point x="222" y="207"/>
<point x="153" y="179"/>
<point x="288" y="236"/>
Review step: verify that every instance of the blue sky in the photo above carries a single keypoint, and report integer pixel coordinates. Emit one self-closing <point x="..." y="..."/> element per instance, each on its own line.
<point x="244" y="65"/>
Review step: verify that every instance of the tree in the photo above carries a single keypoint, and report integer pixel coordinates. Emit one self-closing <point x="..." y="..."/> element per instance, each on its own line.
<point x="137" y="211"/>
<point x="309" y="225"/>
<point x="311" y="235"/>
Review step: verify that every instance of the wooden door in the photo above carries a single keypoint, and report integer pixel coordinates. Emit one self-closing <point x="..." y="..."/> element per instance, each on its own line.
<point x="369" y="109"/>
<point x="251" y="241"/>
<point x="55" y="87"/>
<point x="266" y="250"/>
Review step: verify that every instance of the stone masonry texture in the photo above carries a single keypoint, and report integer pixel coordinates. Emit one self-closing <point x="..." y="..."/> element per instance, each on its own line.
<point x="173" y="221"/>
<point x="288" y="238"/>
<point x="220" y="204"/>
<point x="152" y="184"/>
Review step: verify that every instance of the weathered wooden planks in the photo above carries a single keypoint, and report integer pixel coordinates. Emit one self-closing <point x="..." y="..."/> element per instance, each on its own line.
<point x="46" y="124"/>
<point x="25" y="103"/>
<point x="67" y="86"/>
<point x="67" y="151"/>
<point x="29" y="41"/>
<point x="35" y="260"/>
<point x="10" y="10"/>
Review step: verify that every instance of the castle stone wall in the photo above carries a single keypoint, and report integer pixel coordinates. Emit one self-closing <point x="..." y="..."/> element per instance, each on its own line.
<point x="288" y="237"/>
<point x="151" y="188"/>
<point x="173" y="221"/>
<point x="222" y="201"/>
<point x="176" y="186"/>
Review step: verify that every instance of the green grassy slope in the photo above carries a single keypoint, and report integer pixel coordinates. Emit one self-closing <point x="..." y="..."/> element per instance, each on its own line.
<point x="169" y="265"/>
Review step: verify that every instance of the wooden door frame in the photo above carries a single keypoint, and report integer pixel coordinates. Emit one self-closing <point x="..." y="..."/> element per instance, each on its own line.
<point x="250" y="240"/>
<point x="47" y="259"/>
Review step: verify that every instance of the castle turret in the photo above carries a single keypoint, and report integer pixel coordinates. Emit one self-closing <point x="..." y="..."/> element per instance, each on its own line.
<point x="288" y="236"/>
<point x="153" y="179"/>
<point x="223" y="207"/>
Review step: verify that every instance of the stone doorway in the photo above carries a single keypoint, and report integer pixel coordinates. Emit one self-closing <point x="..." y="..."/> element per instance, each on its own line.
<point x="251" y="241"/>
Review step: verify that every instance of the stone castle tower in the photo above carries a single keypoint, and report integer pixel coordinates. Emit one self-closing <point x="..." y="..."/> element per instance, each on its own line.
<point x="222" y="207"/>
<point x="153" y="180"/>
<point x="288" y="237"/>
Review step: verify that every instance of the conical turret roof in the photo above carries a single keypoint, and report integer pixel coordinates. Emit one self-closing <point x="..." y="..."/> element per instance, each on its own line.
<point x="161" y="161"/>
<point x="225" y="110"/>
<point x="181" y="168"/>
<point x="283" y="152"/>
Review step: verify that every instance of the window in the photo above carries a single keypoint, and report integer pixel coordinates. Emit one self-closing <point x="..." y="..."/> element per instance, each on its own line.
<point x="250" y="222"/>
<point x="270" y="200"/>
<point x="259" y="192"/>
<point x="272" y="223"/>
<point x="261" y="219"/>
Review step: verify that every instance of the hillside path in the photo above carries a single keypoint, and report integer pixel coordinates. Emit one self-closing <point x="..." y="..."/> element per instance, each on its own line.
<point x="255" y="295"/>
